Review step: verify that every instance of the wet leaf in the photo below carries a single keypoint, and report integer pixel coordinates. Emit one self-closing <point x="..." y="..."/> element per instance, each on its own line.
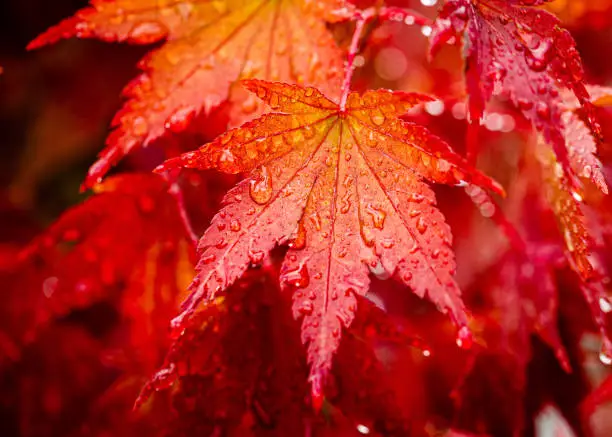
<point x="208" y="45"/>
<point x="520" y="52"/>
<point x="344" y="187"/>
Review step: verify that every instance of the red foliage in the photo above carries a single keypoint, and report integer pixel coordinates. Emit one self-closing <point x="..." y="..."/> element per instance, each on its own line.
<point x="318" y="280"/>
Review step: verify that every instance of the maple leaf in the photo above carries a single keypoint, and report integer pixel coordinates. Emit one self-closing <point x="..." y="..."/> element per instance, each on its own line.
<point x="343" y="185"/>
<point x="521" y="301"/>
<point x="522" y="53"/>
<point x="581" y="145"/>
<point x="565" y="204"/>
<point x="242" y="349"/>
<point x="209" y="45"/>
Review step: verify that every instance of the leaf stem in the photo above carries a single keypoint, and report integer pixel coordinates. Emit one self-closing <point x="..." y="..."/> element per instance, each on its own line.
<point x="361" y="18"/>
<point x="175" y="191"/>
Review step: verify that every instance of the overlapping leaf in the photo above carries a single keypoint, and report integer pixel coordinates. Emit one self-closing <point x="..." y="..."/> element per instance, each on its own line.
<point x="520" y="52"/>
<point x="243" y="351"/>
<point x="344" y="186"/>
<point x="209" y="45"/>
<point x="126" y="245"/>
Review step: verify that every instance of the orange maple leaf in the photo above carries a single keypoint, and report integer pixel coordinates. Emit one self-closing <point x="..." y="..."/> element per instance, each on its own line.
<point x="209" y="45"/>
<point x="344" y="185"/>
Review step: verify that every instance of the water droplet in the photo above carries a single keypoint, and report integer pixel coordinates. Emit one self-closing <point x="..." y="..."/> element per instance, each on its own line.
<point x="543" y="110"/>
<point x="605" y="305"/>
<point x="180" y="119"/>
<point x="140" y="126"/>
<point x="207" y="259"/>
<point x="362" y="429"/>
<point x="426" y="353"/>
<point x="377" y="117"/>
<point x="315" y="219"/>
<point x="605" y="357"/>
<point x="464" y="338"/>
<point x="256" y="257"/>
<point x="177" y="326"/>
<point x="298" y="277"/>
<point x="388" y="243"/>
<point x="306" y="308"/>
<point x="524" y="104"/>
<point x="260" y="187"/>
<point x="234" y="225"/>
<point x="299" y="241"/>
<point x="147" y="32"/>
<point x="378" y="216"/>
<point x="539" y="56"/>
<point x="421" y="225"/>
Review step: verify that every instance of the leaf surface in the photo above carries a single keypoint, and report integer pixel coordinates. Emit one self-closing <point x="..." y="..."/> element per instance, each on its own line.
<point x="208" y="46"/>
<point x="345" y="188"/>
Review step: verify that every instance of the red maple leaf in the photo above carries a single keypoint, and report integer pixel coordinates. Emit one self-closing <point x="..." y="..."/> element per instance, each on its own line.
<point x="242" y="350"/>
<point x="522" y="53"/>
<point x="344" y="186"/>
<point x="208" y="47"/>
<point x="126" y="245"/>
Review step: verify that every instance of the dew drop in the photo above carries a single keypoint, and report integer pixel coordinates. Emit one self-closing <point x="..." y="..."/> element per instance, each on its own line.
<point x="208" y="259"/>
<point x="421" y="225"/>
<point x="180" y="119"/>
<point x="147" y="32"/>
<point x="464" y="338"/>
<point x="378" y="216"/>
<point x="256" y="257"/>
<point x="605" y="305"/>
<point x="577" y="197"/>
<point x="426" y="353"/>
<point x="298" y="277"/>
<point x="388" y="243"/>
<point x="524" y="104"/>
<point x="306" y="308"/>
<point x="361" y="428"/>
<point x="543" y="110"/>
<point x="377" y="117"/>
<point x="140" y="126"/>
<point x="260" y="187"/>
<point x="605" y="357"/>
<point x="235" y="225"/>
<point x="299" y="241"/>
